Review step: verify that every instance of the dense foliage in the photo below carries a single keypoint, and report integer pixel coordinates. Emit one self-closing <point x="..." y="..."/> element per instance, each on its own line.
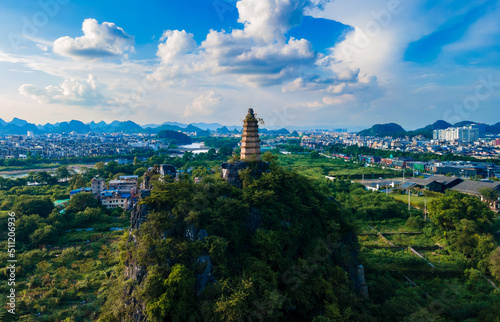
<point x="204" y="254"/>
<point x="267" y="248"/>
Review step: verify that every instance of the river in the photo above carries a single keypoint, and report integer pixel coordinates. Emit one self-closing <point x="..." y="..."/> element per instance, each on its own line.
<point x="196" y="148"/>
<point x="13" y="174"/>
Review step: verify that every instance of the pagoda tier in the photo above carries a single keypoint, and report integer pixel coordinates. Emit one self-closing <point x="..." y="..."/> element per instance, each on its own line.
<point x="250" y="142"/>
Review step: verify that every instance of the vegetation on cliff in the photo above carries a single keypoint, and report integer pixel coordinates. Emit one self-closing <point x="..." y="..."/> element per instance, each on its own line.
<point x="270" y="251"/>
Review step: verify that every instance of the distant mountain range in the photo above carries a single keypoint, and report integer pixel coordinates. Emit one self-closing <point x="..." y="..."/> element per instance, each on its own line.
<point x="395" y="130"/>
<point x="21" y="127"/>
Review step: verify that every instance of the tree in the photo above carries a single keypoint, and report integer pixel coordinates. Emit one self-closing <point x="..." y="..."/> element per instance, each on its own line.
<point x="155" y="159"/>
<point x="99" y="166"/>
<point x="112" y="167"/>
<point x="489" y="194"/>
<point x="211" y="154"/>
<point x="269" y="157"/>
<point x="82" y="201"/>
<point x="88" y="216"/>
<point x="77" y="181"/>
<point x="314" y="155"/>
<point x="140" y="171"/>
<point x="31" y="176"/>
<point x="464" y="239"/>
<point x="200" y="172"/>
<point x="225" y="151"/>
<point x="26" y="225"/>
<point x="31" y="205"/>
<point x="176" y="303"/>
<point x="44" y="234"/>
<point x="6" y="205"/>
<point x="90" y="173"/>
<point x="495" y="263"/>
<point x="63" y="172"/>
<point x="42" y="177"/>
<point x="118" y="175"/>
<point x="447" y="211"/>
<point x="188" y="156"/>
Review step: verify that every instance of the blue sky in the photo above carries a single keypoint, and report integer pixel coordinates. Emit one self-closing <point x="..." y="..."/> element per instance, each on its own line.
<point x="300" y="62"/>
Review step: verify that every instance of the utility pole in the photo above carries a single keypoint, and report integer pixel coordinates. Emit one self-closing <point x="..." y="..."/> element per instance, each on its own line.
<point x="409" y="197"/>
<point x="403" y="175"/>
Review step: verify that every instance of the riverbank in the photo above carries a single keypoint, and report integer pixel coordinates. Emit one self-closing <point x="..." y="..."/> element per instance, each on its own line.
<point x="40" y="168"/>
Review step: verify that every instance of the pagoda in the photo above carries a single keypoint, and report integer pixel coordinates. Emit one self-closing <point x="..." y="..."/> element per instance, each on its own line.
<point x="250" y="157"/>
<point x="250" y="142"/>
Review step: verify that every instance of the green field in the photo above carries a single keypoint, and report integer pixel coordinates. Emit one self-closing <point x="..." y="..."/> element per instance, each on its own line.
<point x="415" y="201"/>
<point x="320" y="167"/>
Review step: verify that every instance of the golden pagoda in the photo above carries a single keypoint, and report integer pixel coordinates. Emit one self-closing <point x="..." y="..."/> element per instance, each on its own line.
<point x="250" y="142"/>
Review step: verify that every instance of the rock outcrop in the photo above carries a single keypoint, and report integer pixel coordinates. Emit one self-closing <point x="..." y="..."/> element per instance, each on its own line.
<point x="231" y="171"/>
<point x="206" y="277"/>
<point x="140" y="212"/>
<point x="164" y="170"/>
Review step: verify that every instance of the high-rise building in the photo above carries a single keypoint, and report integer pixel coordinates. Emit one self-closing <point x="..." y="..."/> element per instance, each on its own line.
<point x="250" y="142"/>
<point x="481" y="127"/>
<point x="464" y="134"/>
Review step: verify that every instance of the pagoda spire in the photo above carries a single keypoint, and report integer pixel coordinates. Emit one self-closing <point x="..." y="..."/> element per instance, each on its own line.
<point x="250" y="142"/>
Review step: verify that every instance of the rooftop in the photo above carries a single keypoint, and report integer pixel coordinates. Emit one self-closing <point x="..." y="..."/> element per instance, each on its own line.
<point x="473" y="187"/>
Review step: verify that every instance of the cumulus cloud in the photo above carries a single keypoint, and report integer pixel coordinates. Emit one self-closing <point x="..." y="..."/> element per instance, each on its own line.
<point x="259" y="54"/>
<point x="98" y="41"/>
<point x="70" y="92"/>
<point x="202" y="105"/>
<point x="177" y="43"/>
<point x="269" y="20"/>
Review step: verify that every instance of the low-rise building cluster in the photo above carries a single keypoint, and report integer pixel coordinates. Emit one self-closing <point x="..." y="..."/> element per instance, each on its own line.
<point x="120" y="193"/>
<point x="58" y="146"/>
<point x="461" y="169"/>
<point x="487" y="147"/>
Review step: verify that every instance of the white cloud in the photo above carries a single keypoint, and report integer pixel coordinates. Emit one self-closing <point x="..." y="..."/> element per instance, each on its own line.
<point x="42" y="47"/>
<point x="177" y="43"/>
<point x="202" y="105"/>
<point x="298" y="84"/>
<point x="97" y="41"/>
<point x="269" y="20"/>
<point x="70" y="92"/>
<point x="336" y="89"/>
<point x="337" y="100"/>
<point x="258" y="55"/>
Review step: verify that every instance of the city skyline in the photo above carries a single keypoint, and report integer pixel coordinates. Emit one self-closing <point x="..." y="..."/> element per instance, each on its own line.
<point x="299" y="62"/>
